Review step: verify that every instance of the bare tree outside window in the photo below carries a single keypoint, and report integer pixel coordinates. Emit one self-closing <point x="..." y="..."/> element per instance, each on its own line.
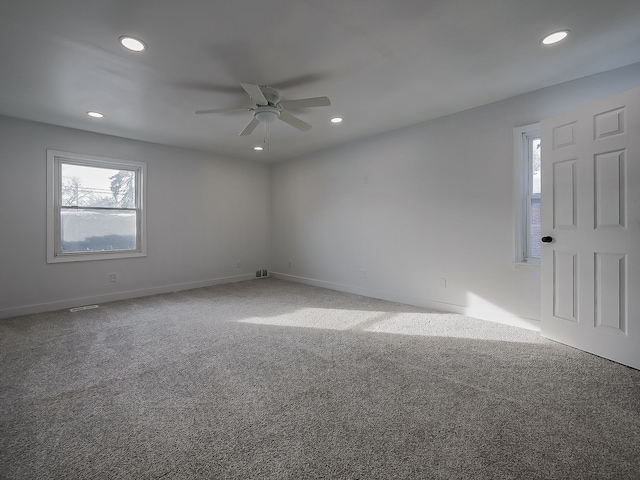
<point x="123" y="188"/>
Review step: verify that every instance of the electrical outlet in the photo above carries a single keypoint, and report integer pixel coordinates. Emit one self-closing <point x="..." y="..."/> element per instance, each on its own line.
<point x="258" y="273"/>
<point x="113" y="277"/>
<point x="265" y="273"/>
<point x="363" y="273"/>
<point x="238" y="264"/>
<point x="290" y="263"/>
<point x="443" y="283"/>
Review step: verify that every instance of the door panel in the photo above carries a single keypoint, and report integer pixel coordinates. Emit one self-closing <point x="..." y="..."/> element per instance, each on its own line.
<point x="565" y="295"/>
<point x="610" y="294"/>
<point x="564" y="194"/>
<point x="610" y="195"/>
<point x="591" y="208"/>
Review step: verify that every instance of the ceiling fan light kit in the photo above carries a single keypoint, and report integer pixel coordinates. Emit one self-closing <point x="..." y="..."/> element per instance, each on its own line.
<point x="266" y="114"/>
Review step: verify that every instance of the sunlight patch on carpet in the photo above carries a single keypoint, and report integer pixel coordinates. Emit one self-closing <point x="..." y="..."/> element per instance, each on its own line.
<point x="433" y="324"/>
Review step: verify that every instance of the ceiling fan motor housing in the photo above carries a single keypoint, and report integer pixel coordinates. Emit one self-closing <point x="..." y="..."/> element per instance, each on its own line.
<point x="271" y="94"/>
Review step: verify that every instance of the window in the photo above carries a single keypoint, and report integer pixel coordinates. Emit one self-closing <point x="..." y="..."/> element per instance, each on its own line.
<point x="527" y="168"/>
<point x="94" y="208"/>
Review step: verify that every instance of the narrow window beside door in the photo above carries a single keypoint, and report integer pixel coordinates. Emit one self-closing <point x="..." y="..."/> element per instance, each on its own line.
<point x="527" y="166"/>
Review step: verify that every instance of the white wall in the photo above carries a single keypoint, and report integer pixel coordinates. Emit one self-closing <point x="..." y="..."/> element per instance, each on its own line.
<point x="204" y="214"/>
<point x="420" y="204"/>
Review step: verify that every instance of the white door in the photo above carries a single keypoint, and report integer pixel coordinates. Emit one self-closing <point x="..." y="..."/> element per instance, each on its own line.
<point x="591" y="212"/>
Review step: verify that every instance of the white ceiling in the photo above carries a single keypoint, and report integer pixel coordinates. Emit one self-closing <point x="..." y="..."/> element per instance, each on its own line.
<point x="384" y="64"/>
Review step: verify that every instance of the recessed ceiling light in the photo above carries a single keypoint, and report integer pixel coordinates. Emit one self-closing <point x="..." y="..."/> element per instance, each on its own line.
<point x="132" y="44"/>
<point x="258" y="148"/>
<point x="555" y="37"/>
<point x="95" y="114"/>
<point x="336" y="119"/>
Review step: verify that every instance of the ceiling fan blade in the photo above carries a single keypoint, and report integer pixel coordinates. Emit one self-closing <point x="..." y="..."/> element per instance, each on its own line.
<point x="306" y="102"/>
<point x="251" y="126"/>
<point x="255" y="93"/>
<point x="224" y="110"/>
<point x="294" y="121"/>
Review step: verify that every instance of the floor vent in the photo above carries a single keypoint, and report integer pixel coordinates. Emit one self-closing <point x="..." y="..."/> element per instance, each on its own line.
<point x="86" y="307"/>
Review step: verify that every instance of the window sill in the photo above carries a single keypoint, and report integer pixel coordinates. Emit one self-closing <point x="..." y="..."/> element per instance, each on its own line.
<point x="527" y="265"/>
<point x="86" y="257"/>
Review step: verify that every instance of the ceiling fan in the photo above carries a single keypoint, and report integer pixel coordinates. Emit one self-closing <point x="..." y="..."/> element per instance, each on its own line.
<point x="268" y="107"/>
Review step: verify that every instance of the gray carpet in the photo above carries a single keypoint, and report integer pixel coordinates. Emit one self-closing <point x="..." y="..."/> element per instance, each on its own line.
<point x="274" y="380"/>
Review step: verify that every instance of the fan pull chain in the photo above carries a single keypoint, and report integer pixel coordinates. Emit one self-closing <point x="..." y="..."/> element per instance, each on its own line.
<point x="266" y="136"/>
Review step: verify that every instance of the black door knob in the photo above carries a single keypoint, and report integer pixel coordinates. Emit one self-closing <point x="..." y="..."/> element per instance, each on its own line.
<point x="546" y="239"/>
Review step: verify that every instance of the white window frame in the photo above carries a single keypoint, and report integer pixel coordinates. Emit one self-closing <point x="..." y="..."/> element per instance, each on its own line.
<point x="54" y="183"/>
<point x="522" y="194"/>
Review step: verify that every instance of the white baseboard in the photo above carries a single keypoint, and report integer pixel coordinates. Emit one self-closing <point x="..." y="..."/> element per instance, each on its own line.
<point x="479" y="313"/>
<point x="112" y="297"/>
